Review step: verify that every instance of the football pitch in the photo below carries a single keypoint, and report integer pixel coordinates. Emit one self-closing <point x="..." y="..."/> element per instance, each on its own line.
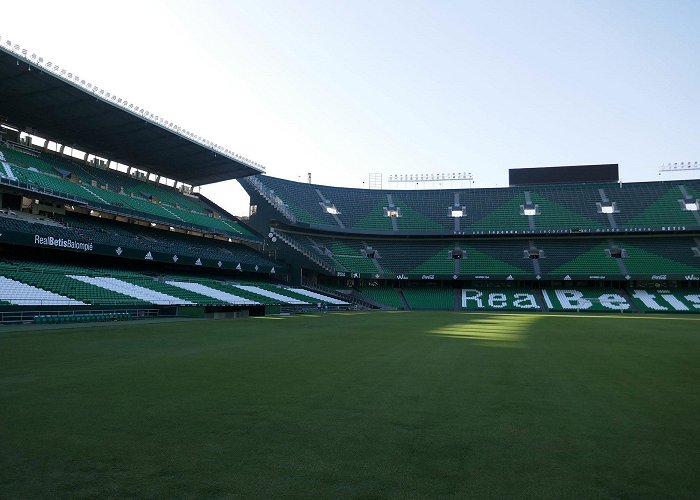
<point x="381" y="404"/>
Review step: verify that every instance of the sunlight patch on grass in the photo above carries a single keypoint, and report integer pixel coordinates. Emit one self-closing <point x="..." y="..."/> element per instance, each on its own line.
<point x="501" y="328"/>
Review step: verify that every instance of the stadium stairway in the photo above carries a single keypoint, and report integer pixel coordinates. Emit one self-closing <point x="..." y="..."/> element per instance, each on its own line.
<point x="539" y="298"/>
<point x="406" y="307"/>
<point x="313" y="295"/>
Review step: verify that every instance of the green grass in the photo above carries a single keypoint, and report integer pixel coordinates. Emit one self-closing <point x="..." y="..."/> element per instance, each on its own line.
<point x="402" y="405"/>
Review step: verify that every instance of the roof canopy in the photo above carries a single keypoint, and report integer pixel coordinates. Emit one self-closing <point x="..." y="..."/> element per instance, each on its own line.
<point x="50" y="106"/>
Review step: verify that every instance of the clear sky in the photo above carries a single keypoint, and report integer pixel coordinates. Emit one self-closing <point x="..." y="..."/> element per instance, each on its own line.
<point x="344" y="88"/>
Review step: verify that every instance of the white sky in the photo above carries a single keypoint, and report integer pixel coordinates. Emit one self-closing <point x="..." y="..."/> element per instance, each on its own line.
<point x="344" y="88"/>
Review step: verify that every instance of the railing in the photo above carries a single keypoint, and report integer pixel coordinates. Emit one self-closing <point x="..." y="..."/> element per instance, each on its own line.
<point x="28" y="316"/>
<point x="313" y="309"/>
<point x="353" y="299"/>
<point x="302" y="251"/>
<point x="273" y="200"/>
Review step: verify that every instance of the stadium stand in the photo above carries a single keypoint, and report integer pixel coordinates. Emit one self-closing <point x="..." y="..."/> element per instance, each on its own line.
<point x="557" y="258"/>
<point x="79" y="234"/>
<point x="126" y="237"/>
<point x="388" y="296"/>
<point x="586" y="299"/>
<point x="429" y="297"/>
<point x="563" y="207"/>
<point x="36" y="283"/>
<point x="663" y="300"/>
<point x="105" y="189"/>
<point x="498" y="299"/>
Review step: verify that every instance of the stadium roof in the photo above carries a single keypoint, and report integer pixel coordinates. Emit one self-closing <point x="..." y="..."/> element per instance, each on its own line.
<point x="36" y="98"/>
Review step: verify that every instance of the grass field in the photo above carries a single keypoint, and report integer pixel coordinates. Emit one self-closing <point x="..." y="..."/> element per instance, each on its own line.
<point x="417" y="405"/>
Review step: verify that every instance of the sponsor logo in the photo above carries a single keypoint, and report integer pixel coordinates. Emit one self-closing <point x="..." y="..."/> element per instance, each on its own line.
<point x="356" y="275"/>
<point x="219" y="263"/>
<point x="661" y="277"/>
<point x="596" y="277"/>
<point x="575" y="300"/>
<point x="691" y="277"/>
<point x="428" y="277"/>
<point x="272" y="271"/>
<point x="198" y="262"/>
<point x="476" y="299"/>
<point x="673" y="301"/>
<point x="50" y="241"/>
<point x="119" y="250"/>
<point x="567" y="278"/>
<point x="175" y="258"/>
<point x="510" y="277"/>
<point x="148" y="256"/>
<point x="338" y="274"/>
<point x="256" y="267"/>
<point x="238" y="267"/>
<point x="454" y="276"/>
<point x="401" y="277"/>
<point x="481" y="277"/>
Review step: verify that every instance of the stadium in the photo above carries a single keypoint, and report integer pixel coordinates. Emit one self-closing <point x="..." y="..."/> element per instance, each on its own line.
<point x="535" y="340"/>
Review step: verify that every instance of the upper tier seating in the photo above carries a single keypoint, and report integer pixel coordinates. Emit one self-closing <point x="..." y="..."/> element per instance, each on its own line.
<point x="560" y="208"/>
<point x="117" y="192"/>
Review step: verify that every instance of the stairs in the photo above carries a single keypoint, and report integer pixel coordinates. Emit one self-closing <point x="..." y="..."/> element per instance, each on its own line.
<point x="305" y="253"/>
<point x="273" y="200"/>
<point x="6" y="168"/>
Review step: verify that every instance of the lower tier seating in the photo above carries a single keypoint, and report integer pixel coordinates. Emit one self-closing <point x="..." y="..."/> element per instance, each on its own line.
<point x="576" y="300"/>
<point x="661" y="300"/>
<point x="429" y="297"/>
<point x="383" y="295"/>
<point x="25" y="283"/>
<point x="498" y="299"/>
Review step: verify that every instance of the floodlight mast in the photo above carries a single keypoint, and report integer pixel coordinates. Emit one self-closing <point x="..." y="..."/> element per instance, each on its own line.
<point x="678" y="167"/>
<point x="440" y="178"/>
